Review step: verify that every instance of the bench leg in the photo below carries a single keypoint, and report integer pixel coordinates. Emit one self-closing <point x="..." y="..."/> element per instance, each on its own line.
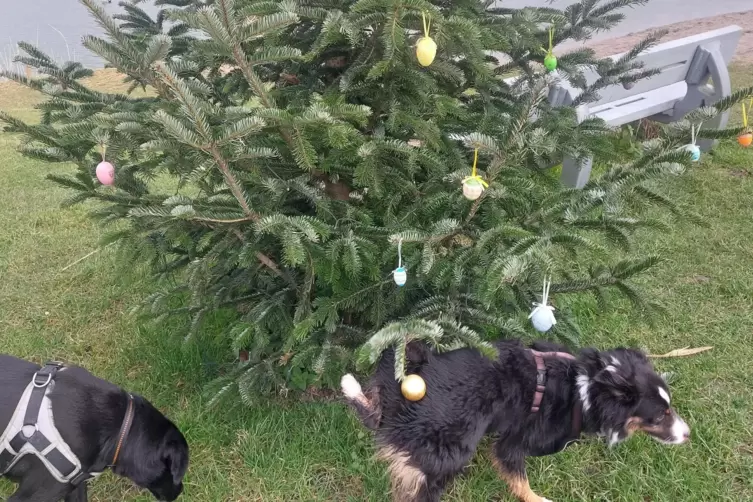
<point x="576" y="172"/>
<point x="708" y="64"/>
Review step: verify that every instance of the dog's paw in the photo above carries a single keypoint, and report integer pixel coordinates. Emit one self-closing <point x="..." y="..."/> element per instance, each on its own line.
<point x="350" y="386"/>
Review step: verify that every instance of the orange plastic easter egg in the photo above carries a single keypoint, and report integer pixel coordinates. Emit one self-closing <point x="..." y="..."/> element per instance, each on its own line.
<point x="745" y="139"/>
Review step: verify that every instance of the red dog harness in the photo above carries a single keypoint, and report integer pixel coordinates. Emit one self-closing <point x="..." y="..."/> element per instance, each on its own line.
<point x="538" y="396"/>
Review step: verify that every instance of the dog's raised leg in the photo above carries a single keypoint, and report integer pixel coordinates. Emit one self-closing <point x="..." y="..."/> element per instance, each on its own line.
<point x="513" y="471"/>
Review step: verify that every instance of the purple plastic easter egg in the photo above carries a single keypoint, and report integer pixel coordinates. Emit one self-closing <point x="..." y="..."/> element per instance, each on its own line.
<point x="105" y="173"/>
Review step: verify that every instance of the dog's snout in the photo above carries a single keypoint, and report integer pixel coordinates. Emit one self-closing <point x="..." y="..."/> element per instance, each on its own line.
<point x="680" y="430"/>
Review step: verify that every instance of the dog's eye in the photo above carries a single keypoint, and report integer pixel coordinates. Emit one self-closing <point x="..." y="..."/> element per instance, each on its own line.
<point x="661" y="417"/>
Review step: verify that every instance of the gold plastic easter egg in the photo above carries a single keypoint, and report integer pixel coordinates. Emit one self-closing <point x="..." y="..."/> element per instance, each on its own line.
<point x="426" y="51"/>
<point x="413" y="388"/>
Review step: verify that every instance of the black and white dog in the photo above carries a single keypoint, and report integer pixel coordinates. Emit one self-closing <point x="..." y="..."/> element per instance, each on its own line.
<point x="101" y="425"/>
<point x="534" y="400"/>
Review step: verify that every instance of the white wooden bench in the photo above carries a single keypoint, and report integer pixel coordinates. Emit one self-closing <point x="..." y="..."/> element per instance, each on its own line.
<point x="693" y="73"/>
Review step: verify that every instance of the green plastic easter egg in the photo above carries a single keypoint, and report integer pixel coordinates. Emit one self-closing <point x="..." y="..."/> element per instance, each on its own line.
<point x="550" y="62"/>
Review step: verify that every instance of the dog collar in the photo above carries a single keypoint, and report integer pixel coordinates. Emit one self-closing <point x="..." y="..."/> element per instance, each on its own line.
<point x="538" y="396"/>
<point x="125" y="428"/>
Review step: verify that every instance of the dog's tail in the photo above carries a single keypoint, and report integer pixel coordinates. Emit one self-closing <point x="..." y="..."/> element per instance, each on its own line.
<point x="367" y="407"/>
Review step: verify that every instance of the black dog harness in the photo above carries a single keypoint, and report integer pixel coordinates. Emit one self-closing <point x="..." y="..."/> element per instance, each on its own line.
<point x="32" y="431"/>
<point x="538" y="396"/>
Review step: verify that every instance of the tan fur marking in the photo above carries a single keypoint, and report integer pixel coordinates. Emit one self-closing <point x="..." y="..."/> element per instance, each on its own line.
<point x="407" y="480"/>
<point x="633" y="424"/>
<point x="518" y="484"/>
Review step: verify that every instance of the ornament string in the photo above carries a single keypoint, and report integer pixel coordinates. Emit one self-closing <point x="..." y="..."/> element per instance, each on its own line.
<point x="694" y="133"/>
<point x="746" y="112"/>
<point x="400" y="253"/>
<point x="474" y="175"/>
<point x="103" y="150"/>
<point x="427" y="25"/>
<point x="550" y="51"/>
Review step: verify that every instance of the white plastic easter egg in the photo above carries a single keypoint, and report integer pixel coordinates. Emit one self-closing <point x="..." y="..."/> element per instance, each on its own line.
<point x="542" y="318"/>
<point x="695" y="152"/>
<point x="400" y="276"/>
<point x="105" y="173"/>
<point x="472" y="189"/>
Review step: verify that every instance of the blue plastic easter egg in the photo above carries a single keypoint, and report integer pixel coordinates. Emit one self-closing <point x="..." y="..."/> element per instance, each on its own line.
<point x="695" y="152"/>
<point x="400" y="276"/>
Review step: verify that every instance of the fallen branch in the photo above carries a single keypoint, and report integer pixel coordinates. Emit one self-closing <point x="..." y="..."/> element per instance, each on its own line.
<point x="687" y="351"/>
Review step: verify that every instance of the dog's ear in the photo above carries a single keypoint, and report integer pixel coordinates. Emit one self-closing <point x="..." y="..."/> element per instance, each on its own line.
<point x="592" y="360"/>
<point x="621" y="385"/>
<point x="175" y="456"/>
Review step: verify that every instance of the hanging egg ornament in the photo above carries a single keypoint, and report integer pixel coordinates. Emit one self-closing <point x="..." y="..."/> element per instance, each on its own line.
<point x="413" y="388"/>
<point x="542" y="316"/>
<point x="426" y="48"/>
<point x="474" y="185"/>
<point x="746" y="138"/>
<point x="472" y="188"/>
<point x="400" y="276"/>
<point x="550" y="62"/>
<point x="695" y="152"/>
<point x="426" y="51"/>
<point x="105" y="173"/>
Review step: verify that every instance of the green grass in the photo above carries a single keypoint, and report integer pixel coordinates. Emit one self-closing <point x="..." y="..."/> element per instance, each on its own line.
<point x="317" y="451"/>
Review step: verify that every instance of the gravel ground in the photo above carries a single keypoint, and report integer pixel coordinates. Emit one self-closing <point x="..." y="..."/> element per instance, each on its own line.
<point x="685" y="29"/>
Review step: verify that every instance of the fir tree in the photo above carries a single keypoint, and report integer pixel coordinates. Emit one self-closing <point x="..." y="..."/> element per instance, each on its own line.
<point x="303" y="143"/>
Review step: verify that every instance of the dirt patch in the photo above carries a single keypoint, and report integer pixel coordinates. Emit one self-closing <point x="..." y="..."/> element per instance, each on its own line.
<point x="684" y="29"/>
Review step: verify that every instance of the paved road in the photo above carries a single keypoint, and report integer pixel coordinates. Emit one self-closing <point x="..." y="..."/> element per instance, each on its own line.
<point x="58" y="25"/>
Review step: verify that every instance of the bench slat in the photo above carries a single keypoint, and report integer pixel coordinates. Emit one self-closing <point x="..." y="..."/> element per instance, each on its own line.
<point x="640" y="106"/>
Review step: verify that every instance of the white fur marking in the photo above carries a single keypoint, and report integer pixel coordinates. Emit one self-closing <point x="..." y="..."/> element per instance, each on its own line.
<point x="350" y="386"/>
<point x="664" y="395"/>
<point x="615" y="361"/>
<point x="611" y="369"/>
<point x="614" y="438"/>
<point x="583" y="383"/>
<point x="680" y="431"/>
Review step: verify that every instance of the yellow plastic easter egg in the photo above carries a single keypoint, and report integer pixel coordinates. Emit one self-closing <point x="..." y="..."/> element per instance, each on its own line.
<point x="426" y="51"/>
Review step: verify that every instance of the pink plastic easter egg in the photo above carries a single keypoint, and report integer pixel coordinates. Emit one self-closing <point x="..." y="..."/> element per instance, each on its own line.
<point x="105" y="173"/>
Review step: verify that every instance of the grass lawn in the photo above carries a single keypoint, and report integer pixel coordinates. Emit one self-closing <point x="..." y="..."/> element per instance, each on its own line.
<point x="317" y="451"/>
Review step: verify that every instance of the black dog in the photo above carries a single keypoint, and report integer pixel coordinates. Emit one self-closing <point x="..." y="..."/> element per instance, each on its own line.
<point x="91" y="416"/>
<point x="534" y="402"/>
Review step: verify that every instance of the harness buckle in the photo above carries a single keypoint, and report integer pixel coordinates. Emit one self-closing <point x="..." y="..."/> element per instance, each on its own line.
<point x="40" y="384"/>
<point x="541" y="377"/>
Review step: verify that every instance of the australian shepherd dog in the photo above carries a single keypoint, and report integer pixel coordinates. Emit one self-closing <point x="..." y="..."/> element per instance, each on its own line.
<point x="534" y="400"/>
